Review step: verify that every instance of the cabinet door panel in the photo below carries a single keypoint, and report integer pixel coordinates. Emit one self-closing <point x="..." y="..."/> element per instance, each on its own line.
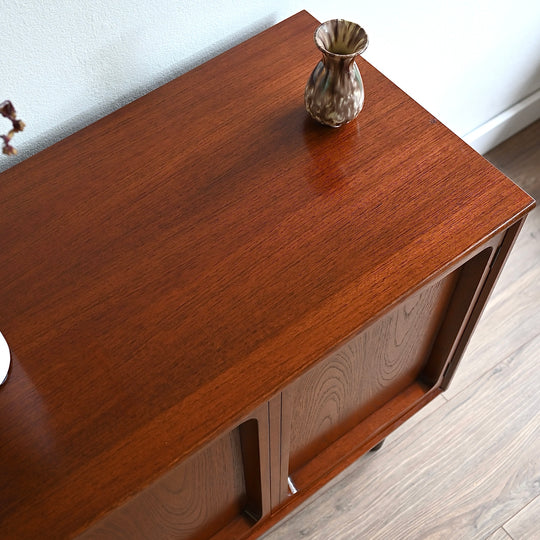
<point x="365" y="373"/>
<point x="222" y="490"/>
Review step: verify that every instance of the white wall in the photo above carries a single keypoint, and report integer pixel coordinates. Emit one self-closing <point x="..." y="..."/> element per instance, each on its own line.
<point x="66" y="63"/>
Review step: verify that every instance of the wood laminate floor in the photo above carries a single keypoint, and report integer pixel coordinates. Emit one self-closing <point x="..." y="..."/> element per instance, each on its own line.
<point x="468" y="465"/>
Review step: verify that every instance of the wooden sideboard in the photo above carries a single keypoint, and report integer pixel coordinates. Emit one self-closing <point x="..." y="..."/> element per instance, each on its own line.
<point x="215" y="304"/>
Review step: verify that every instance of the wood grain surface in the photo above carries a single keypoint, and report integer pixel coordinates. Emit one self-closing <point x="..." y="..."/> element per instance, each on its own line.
<point x="223" y="489"/>
<point x="173" y="266"/>
<point x="367" y="372"/>
<point x="196" y="499"/>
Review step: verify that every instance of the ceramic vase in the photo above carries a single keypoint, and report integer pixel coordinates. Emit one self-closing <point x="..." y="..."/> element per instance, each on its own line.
<point x="334" y="93"/>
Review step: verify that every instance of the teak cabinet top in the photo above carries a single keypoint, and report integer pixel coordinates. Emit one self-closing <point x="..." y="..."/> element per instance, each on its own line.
<point x="172" y="266"/>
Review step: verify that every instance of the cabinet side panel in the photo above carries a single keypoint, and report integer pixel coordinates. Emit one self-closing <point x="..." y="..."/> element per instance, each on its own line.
<point x="365" y="373"/>
<point x="194" y="500"/>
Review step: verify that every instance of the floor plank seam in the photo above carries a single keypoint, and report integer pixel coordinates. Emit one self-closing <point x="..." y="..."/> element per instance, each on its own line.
<point x="503" y="528"/>
<point x="522" y="509"/>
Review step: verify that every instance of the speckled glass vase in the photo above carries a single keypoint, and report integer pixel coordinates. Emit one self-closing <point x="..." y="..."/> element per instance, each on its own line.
<point x="334" y="92"/>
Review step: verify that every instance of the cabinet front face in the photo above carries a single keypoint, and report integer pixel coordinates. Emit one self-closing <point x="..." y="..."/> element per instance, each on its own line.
<point x="378" y="375"/>
<point x="339" y="408"/>
<point x="222" y="489"/>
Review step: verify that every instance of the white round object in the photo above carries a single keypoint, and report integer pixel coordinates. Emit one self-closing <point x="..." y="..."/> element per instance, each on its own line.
<point x="4" y="359"/>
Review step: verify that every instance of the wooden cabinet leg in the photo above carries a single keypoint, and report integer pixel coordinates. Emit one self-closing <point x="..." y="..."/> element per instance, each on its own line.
<point x="377" y="446"/>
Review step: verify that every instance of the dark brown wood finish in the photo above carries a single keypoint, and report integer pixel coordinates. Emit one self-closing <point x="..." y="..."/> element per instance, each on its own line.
<point x="171" y="268"/>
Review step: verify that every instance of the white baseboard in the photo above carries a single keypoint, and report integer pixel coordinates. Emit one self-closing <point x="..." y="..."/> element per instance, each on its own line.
<point x="505" y="124"/>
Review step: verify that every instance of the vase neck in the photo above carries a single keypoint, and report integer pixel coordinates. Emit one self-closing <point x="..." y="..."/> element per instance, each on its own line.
<point x="338" y="62"/>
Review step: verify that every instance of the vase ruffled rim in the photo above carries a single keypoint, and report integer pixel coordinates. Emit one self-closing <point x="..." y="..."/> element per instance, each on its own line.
<point x="340" y="38"/>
